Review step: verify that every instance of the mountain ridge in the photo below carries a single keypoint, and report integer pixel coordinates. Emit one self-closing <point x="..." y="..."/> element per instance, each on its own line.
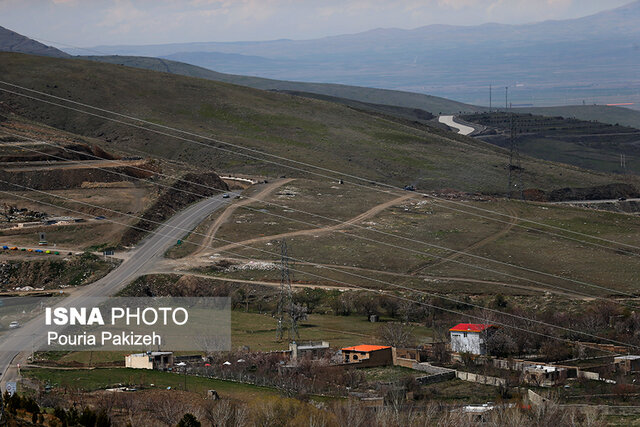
<point x="547" y="63"/>
<point x="10" y="41"/>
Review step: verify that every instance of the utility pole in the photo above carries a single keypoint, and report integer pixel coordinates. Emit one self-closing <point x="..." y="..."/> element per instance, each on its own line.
<point x="285" y="300"/>
<point x="506" y="97"/>
<point x="490" y="97"/>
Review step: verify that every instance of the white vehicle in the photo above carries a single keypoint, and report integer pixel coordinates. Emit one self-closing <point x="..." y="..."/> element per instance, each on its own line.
<point x="225" y="196"/>
<point x="14" y="325"/>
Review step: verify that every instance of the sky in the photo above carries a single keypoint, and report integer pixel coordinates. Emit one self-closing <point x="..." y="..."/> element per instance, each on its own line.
<point x="82" y="23"/>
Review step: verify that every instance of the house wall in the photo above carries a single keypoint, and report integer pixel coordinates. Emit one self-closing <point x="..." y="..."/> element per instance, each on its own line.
<point x="482" y="379"/>
<point x="473" y="343"/>
<point x="163" y="361"/>
<point x="138" y="362"/>
<point x="381" y="357"/>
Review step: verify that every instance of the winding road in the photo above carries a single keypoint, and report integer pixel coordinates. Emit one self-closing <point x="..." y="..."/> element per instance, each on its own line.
<point x="148" y="252"/>
<point x="450" y="121"/>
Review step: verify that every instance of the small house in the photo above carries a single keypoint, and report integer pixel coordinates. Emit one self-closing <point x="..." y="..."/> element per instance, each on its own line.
<point x="313" y="350"/>
<point x="544" y="375"/>
<point x="471" y="337"/>
<point x="158" y="360"/>
<point x="368" y="355"/>
<point x="627" y="364"/>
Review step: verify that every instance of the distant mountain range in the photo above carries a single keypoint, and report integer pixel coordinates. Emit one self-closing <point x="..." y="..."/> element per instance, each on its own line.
<point x="11" y="41"/>
<point x="402" y="104"/>
<point x="592" y="59"/>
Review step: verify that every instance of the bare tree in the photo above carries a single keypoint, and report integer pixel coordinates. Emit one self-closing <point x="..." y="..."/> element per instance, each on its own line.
<point x="397" y="335"/>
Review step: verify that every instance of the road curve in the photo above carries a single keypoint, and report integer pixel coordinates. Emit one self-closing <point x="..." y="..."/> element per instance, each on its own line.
<point x="142" y="258"/>
<point x="450" y="121"/>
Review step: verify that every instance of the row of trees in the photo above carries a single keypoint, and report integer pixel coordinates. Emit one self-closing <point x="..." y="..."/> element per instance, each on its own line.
<point x="172" y="409"/>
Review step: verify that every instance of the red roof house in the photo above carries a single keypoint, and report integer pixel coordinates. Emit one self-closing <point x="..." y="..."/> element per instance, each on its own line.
<point x="471" y="337"/>
<point x="471" y="327"/>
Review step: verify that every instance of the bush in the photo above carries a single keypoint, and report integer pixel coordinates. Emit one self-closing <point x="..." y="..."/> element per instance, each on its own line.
<point x="189" y="420"/>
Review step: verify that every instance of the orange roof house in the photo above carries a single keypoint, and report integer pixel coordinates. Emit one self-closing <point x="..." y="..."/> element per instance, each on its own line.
<point x="368" y="355"/>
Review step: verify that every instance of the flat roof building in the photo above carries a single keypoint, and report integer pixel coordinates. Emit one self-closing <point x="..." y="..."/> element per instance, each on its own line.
<point x="158" y="360"/>
<point x="368" y="355"/>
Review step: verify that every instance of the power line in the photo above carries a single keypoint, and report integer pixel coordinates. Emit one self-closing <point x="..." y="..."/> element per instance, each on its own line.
<point x="270" y="155"/>
<point x="392" y="245"/>
<point x="381" y="291"/>
<point x="311" y="274"/>
<point x="389" y="244"/>
<point x="515" y="224"/>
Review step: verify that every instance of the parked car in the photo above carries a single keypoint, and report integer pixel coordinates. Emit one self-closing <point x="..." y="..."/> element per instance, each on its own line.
<point x="225" y="196"/>
<point x="14" y="325"/>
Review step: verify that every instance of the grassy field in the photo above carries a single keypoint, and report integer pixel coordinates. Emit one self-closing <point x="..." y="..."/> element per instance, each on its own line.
<point x="407" y="100"/>
<point x="294" y="127"/>
<point x="96" y="379"/>
<point x="458" y="391"/>
<point x="389" y="373"/>
<point x="259" y="331"/>
<point x="410" y="263"/>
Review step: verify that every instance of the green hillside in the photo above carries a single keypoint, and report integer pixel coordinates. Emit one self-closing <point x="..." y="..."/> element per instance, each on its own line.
<point x="325" y="134"/>
<point x="433" y="104"/>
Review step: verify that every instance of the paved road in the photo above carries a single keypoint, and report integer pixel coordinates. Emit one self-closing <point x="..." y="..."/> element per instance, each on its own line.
<point x="450" y="121"/>
<point x="143" y="257"/>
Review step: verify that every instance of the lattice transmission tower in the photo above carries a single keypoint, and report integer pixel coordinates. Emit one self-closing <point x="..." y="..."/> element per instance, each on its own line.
<point x="286" y="307"/>
<point x="515" y="185"/>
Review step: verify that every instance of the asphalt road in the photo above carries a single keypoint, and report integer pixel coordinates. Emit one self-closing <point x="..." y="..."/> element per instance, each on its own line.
<point x="143" y="257"/>
<point x="450" y="121"/>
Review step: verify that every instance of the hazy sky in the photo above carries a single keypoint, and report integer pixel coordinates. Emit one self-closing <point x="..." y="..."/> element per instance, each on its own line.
<point x="96" y="22"/>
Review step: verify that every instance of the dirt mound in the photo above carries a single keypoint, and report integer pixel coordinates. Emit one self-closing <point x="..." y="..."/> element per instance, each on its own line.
<point x="170" y="285"/>
<point x="568" y="194"/>
<point x="62" y="179"/>
<point x="174" y="200"/>
<point x="76" y="151"/>
<point x="52" y="274"/>
<point x="603" y="192"/>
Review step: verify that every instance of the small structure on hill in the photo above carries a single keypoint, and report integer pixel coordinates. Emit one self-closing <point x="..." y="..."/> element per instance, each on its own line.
<point x="544" y="375"/>
<point x="158" y="360"/>
<point x="368" y="355"/>
<point x="471" y="337"/>
<point x="627" y="364"/>
<point x="313" y="350"/>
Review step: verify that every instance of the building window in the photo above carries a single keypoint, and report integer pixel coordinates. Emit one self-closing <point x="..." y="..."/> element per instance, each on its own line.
<point x="355" y="357"/>
<point x="465" y="334"/>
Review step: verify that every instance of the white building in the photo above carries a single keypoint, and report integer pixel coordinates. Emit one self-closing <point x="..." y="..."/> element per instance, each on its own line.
<point x="470" y="337"/>
<point x="159" y="360"/>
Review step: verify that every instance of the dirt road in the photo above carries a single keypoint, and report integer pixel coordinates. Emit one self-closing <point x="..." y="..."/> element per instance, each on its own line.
<point x="226" y="214"/>
<point x="314" y="231"/>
